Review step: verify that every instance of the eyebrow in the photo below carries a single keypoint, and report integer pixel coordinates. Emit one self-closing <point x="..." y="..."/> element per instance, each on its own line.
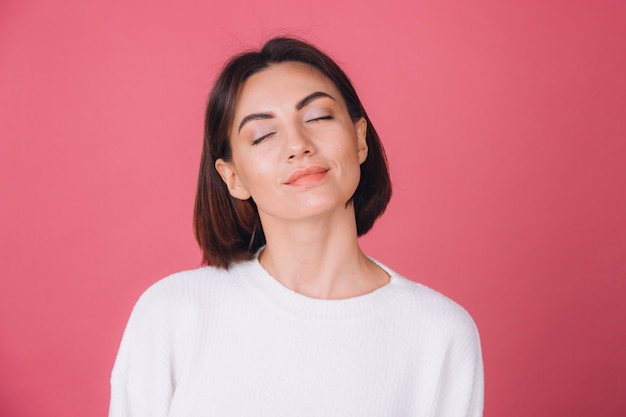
<point x="305" y="101"/>
<point x="254" y="116"/>
<point x="311" y="97"/>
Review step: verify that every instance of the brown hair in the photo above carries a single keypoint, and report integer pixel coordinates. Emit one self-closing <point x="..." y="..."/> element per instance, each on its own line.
<point x="228" y="229"/>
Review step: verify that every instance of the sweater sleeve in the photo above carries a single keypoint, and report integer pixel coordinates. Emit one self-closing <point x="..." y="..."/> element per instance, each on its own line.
<point x="142" y="380"/>
<point x="461" y="385"/>
<point x="476" y="403"/>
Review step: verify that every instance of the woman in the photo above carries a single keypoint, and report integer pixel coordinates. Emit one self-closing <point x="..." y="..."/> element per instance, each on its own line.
<point x="292" y="319"/>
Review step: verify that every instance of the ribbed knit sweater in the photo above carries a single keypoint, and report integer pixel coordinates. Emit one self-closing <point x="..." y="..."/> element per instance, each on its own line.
<point x="212" y="342"/>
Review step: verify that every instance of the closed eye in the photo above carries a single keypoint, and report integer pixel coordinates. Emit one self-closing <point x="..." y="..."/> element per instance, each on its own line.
<point x="262" y="138"/>
<point x="320" y="118"/>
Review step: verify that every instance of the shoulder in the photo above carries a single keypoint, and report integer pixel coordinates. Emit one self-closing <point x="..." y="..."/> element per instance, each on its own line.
<point x="189" y="281"/>
<point x="185" y="291"/>
<point x="436" y="302"/>
<point x="430" y="308"/>
<point x="180" y="304"/>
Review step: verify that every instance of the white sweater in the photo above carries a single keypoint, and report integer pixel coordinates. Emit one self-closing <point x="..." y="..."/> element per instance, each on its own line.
<point x="211" y="342"/>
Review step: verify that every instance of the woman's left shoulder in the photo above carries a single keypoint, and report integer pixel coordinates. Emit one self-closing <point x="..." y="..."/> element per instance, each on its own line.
<point x="427" y="304"/>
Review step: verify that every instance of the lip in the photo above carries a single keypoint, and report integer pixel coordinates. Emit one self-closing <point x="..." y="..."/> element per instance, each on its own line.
<point x="307" y="175"/>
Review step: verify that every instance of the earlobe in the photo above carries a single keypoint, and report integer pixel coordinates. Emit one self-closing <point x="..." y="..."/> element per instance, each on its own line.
<point x="231" y="179"/>
<point x="360" y="127"/>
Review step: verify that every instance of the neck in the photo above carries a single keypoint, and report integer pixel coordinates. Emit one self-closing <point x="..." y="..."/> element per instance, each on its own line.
<point x="320" y="258"/>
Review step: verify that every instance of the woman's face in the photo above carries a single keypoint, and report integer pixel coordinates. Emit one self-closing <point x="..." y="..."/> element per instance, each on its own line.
<point x="295" y="149"/>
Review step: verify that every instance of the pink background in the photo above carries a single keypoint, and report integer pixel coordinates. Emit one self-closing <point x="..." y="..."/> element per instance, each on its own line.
<point x="504" y="123"/>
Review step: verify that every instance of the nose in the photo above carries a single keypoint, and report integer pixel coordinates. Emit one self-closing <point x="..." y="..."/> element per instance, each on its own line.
<point x="296" y="154"/>
<point x="299" y="145"/>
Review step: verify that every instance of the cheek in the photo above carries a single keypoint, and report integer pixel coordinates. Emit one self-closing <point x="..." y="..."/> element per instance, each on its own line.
<point x="255" y="173"/>
<point x="347" y="149"/>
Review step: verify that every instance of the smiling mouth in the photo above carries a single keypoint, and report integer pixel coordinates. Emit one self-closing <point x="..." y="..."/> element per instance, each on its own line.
<point x="307" y="176"/>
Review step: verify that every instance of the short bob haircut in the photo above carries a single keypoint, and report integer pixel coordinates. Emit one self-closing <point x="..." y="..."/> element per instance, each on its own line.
<point x="228" y="229"/>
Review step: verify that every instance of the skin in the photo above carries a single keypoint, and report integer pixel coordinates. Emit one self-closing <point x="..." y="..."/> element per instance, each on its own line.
<point x="297" y="153"/>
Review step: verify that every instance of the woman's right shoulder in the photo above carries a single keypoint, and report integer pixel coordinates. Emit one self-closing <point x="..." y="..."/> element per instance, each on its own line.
<point x="188" y="288"/>
<point x="192" y="279"/>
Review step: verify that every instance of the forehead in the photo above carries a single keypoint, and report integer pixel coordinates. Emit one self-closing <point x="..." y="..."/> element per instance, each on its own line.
<point x="282" y="84"/>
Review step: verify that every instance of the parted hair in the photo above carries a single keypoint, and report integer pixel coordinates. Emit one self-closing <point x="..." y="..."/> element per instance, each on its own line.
<point x="228" y="229"/>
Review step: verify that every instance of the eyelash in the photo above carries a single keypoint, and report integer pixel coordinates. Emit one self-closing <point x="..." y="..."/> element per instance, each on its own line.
<point x="261" y="139"/>
<point x="321" y="118"/>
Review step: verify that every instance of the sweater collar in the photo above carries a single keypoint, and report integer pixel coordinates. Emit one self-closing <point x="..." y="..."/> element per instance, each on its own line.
<point x="377" y="302"/>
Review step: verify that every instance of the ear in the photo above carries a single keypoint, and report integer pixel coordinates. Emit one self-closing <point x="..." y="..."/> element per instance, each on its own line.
<point x="360" y="127"/>
<point x="231" y="179"/>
